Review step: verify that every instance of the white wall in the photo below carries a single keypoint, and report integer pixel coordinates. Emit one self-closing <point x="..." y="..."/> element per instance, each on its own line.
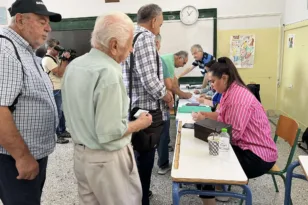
<point x="295" y="10"/>
<point x="83" y="8"/>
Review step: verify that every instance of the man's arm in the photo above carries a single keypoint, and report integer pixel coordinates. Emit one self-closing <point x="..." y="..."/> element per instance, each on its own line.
<point x="205" y="81"/>
<point x="146" y="69"/>
<point x="60" y="70"/>
<point x="176" y="90"/>
<point x="11" y="81"/>
<point x="186" y="71"/>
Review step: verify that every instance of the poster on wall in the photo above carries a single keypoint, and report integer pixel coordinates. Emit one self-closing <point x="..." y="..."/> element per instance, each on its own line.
<point x="291" y="40"/>
<point x="242" y="50"/>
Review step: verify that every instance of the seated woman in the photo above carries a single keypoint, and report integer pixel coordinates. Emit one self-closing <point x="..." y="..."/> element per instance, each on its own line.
<point x="212" y="101"/>
<point x="251" y="131"/>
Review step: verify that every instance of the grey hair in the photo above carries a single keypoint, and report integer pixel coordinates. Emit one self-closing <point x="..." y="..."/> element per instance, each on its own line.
<point x="116" y="25"/>
<point x="148" y="12"/>
<point x="51" y="43"/>
<point x="13" y="20"/>
<point x="158" y="37"/>
<point x="182" y="54"/>
<point x="198" y="47"/>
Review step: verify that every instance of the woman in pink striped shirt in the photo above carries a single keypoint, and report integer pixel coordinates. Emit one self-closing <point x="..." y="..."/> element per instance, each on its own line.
<point x="251" y="132"/>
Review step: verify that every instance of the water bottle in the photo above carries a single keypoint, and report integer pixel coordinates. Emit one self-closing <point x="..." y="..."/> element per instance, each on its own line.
<point x="224" y="141"/>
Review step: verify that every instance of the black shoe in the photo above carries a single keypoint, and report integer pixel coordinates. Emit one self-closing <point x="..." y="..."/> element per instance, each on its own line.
<point x="65" y="134"/>
<point x="150" y="194"/>
<point x="61" y="140"/>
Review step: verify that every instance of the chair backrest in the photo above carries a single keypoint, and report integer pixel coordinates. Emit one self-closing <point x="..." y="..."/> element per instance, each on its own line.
<point x="287" y="129"/>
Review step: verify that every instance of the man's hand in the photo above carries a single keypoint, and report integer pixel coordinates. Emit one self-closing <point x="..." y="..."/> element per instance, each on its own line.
<point x="145" y="120"/>
<point x="27" y="167"/>
<point x="196" y="91"/>
<point x="169" y="99"/>
<point x="187" y="95"/>
<point x="66" y="55"/>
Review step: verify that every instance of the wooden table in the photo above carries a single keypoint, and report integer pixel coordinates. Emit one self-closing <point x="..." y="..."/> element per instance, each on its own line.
<point x="192" y="164"/>
<point x="303" y="162"/>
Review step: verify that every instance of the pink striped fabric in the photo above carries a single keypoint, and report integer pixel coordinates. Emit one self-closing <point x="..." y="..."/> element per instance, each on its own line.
<point x="250" y="126"/>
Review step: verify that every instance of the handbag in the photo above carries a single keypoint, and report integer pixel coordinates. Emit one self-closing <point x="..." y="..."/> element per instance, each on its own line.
<point x="147" y="139"/>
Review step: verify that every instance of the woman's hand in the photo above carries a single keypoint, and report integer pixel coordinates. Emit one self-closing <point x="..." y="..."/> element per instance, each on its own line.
<point x="197" y="116"/>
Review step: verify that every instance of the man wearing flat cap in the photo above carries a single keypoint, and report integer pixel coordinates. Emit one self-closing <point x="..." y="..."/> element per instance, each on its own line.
<point x="28" y="112"/>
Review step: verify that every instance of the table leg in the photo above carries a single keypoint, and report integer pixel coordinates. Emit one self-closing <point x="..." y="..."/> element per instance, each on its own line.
<point x="290" y="175"/>
<point x="175" y="193"/>
<point x="248" y="194"/>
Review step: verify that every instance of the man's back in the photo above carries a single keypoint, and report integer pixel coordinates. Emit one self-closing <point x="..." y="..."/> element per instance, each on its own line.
<point x="93" y="96"/>
<point x="147" y="87"/>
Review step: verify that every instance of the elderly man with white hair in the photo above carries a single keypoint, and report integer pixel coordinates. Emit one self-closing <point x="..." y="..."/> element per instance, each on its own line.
<point x="95" y="106"/>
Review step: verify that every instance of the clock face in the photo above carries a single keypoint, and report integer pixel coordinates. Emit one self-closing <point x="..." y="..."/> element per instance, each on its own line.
<point x="189" y="15"/>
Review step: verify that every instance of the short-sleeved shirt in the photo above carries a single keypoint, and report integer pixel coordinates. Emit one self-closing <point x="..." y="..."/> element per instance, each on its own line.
<point x="50" y="63"/>
<point x="201" y="63"/>
<point x="250" y="126"/>
<point x="169" y="61"/>
<point x="35" y="115"/>
<point x="166" y="72"/>
<point x="95" y="102"/>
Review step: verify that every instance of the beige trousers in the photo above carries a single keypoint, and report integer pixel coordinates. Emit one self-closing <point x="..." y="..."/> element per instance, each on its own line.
<point x="107" y="178"/>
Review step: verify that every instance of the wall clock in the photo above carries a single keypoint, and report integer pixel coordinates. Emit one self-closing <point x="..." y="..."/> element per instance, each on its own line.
<point x="189" y="15"/>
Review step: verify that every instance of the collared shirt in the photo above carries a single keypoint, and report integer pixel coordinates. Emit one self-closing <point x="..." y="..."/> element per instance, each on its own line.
<point x="168" y="59"/>
<point x="201" y="63"/>
<point x="147" y="88"/>
<point x="36" y="112"/>
<point x="95" y="102"/>
<point x="250" y="126"/>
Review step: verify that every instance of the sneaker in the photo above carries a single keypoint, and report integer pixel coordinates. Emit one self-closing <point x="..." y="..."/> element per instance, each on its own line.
<point x="65" y="134"/>
<point x="150" y="194"/>
<point x="164" y="170"/>
<point x="221" y="198"/>
<point x="61" y="140"/>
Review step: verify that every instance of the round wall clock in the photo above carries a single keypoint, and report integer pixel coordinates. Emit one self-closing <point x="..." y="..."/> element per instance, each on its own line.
<point x="189" y="15"/>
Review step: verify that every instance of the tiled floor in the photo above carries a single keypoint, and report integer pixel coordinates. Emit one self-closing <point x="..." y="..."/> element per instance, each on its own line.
<point x="61" y="188"/>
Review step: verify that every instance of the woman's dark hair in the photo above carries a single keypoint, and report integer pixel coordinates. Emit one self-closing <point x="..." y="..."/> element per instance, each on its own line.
<point x="209" y="64"/>
<point x="225" y="66"/>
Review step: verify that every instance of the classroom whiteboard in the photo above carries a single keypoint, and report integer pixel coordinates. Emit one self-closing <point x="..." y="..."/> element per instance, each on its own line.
<point x="176" y="36"/>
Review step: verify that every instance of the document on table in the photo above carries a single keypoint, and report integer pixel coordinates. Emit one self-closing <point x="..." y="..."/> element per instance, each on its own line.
<point x="193" y="99"/>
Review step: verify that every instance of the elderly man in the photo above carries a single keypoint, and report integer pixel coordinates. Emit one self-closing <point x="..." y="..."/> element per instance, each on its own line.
<point x="95" y="106"/>
<point x="28" y="112"/>
<point x="201" y="59"/>
<point x="147" y="86"/>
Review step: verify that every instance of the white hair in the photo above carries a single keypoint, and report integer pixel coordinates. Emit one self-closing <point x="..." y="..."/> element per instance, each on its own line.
<point x="116" y="25"/>
<point x="13" y="20"/>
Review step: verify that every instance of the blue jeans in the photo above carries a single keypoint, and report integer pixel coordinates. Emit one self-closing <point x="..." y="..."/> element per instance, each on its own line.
<point x="162" y="150"/>
<point x="61" y="126"/>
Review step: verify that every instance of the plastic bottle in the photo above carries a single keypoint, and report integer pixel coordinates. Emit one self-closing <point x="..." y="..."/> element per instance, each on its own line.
<point x="224" y="142"/>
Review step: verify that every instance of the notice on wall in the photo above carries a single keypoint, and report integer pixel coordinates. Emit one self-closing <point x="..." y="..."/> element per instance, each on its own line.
<point x="242" y="50"/>
<point x="291" y="41"/>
